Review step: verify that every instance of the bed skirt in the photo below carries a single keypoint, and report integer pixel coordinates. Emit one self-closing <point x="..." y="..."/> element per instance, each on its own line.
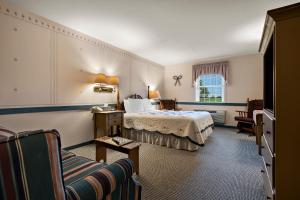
<point x="154" y="137"/>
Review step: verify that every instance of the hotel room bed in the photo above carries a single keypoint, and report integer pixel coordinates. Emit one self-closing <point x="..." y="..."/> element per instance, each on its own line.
<point x="175" y="129"/>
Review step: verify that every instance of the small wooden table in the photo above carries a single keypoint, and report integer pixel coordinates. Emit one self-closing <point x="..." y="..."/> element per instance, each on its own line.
<point x="104" y="121"/>
<point x="132" y="149"/>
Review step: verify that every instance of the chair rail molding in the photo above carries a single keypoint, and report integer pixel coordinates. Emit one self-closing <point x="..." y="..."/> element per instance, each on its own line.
<point x="22" y="110"/>
<point x="210" y="104"/>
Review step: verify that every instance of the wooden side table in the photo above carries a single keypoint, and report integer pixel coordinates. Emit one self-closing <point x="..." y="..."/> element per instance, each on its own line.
<point x="132" y="149"/>
<point x="105" y="121"/>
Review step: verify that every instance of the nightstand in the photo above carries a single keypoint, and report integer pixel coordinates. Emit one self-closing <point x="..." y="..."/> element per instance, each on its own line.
<point x="105" y="121"/>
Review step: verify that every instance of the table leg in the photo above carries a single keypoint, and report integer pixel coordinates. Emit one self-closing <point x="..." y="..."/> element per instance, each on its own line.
<point x="100" y="152"/>
<point x="134" y="156"/>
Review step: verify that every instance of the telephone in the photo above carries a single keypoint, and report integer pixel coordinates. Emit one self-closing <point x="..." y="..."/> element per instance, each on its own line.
<point x="96" y="109"/>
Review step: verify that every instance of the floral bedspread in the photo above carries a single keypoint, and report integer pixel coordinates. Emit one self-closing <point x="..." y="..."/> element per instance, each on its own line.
<point x="195" y="125"/>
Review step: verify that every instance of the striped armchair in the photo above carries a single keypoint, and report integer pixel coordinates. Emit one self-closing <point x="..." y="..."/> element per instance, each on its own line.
<point x="32" y="166"/>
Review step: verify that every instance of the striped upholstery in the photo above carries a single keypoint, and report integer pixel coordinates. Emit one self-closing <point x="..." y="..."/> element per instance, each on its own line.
<point x="66" y="154"/>
<point x="78" y="167"/>
<point x="33" y="167"/>
<point x="110" y="182"/>
<point x="30" y="165"/>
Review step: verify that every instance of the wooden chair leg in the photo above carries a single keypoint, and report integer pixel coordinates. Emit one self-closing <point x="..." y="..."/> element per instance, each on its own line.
<point x="239" y="127"/>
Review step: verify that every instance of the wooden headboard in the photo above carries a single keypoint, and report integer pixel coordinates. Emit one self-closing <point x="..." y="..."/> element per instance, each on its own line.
<point x="135" y="96"/>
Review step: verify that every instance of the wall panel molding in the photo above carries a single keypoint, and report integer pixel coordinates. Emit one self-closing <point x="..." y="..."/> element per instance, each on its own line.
<point x="52" y="71"/>
<point x="25" y="63"/>
<point x="120" y="61"/>
<point x="19" y="13"/>
<point x="53" y="74"/>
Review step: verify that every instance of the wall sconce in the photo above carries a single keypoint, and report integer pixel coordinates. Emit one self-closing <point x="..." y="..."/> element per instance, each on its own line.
<point x="102" y="84"/>
<point x="113" y="80"/>
<point x="108" y="84"/>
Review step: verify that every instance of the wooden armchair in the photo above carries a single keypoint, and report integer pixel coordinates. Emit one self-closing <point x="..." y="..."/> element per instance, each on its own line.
<point x="245" y="118"/>
<point x="168" y="104"/>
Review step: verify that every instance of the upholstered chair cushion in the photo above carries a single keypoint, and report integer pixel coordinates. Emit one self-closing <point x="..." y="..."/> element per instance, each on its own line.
<point x="112" y="181"/>
<point x="30" y="165"/>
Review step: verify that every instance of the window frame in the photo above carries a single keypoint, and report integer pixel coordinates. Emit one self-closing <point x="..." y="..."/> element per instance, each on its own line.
<point x="198" y="90"/>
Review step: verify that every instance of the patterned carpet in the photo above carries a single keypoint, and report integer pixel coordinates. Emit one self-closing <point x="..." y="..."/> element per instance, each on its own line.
<point x="226" y="168"/>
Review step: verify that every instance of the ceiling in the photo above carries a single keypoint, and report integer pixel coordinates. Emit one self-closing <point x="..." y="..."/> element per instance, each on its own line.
<point x="165" y="31"/>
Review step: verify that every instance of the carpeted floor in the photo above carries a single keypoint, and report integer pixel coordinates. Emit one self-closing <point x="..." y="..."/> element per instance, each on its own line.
<point x="226" y="168"/>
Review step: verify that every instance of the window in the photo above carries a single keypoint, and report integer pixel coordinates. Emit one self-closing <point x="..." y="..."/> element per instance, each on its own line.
<point x="210" y="88"/>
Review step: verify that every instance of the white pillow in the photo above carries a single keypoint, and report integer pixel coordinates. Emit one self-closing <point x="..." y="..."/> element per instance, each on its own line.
<point x="133" y="105"/>
<point x="127" y="106"/>
<point x="148" y="105"/>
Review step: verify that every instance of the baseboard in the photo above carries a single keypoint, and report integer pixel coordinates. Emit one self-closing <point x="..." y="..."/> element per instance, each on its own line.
<point x="225" y="126"/>
<point x="79" y="145"/>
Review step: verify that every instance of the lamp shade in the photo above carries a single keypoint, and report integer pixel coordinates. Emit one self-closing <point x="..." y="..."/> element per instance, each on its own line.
<point x="154" y="94"/>
<point x="101" y="78"/>
<point x="113" y="80"/>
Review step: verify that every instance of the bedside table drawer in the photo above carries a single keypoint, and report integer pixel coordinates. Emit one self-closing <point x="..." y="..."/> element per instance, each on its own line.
<point x="115" y="121"/>
<point x="105" y="121"/>
<point x="114" y="116"/>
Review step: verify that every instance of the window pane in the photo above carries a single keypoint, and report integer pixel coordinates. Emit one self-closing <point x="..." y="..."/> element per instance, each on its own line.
<point x="218" y="91"/>
<point x="206" y="80"/>
<point x="201" y="82"/>
<point x="213" y="80"/>
<point x="219" y="80"/>
<point x="210" y="88"/>
<point x="209" y="80"/>
<point x="213" y="99"/>
<point x="212" y="91"/>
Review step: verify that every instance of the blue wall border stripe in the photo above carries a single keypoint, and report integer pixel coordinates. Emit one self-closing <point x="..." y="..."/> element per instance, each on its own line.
<point x="210" y="104"/>
<point x="20" y="110"/>
<point x="10" y="111"/>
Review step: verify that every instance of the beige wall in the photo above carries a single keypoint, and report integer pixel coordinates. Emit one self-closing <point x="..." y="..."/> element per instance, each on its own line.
<point x="43" y="65"/>
<point x="245" y="81"/>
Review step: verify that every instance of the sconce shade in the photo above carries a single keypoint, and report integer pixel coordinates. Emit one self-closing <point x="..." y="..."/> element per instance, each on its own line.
<point x="113" y="80"/>
<point x="154" y="94"/>
<point x="101" y="78"/>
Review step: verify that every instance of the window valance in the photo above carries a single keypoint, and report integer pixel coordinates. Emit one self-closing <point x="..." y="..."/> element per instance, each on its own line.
<point x="210" y="68"/>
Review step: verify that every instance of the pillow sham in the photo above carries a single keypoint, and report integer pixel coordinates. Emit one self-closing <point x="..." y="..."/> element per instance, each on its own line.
<point x="148" y="105"/>
<point x="133" y="105"/>
<point x="127" y="106"/>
